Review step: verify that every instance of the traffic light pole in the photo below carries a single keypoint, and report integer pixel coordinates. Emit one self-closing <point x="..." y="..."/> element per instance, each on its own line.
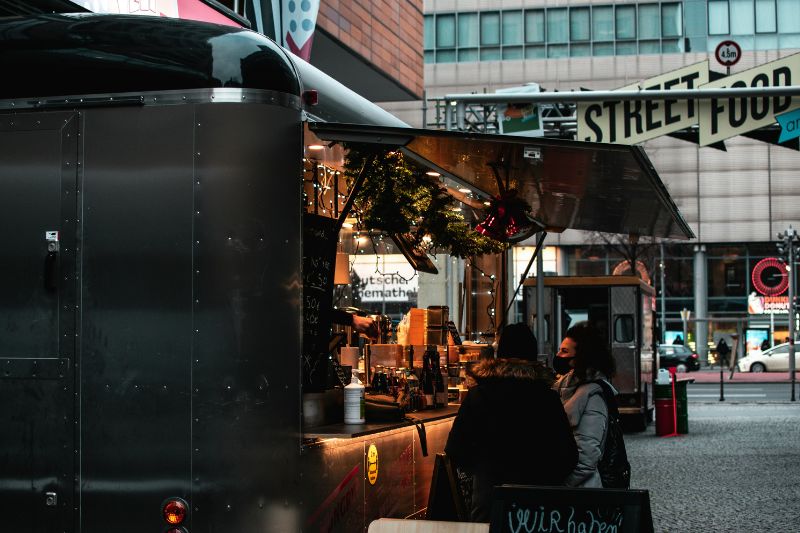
<point x="791" y="235"/>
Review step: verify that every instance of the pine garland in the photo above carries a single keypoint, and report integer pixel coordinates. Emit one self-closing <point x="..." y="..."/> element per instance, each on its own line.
<point x="395" y="198"/>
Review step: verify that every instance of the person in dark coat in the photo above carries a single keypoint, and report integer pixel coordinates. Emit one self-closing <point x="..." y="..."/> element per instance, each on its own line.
<point x="511" y="428"/>
<point x="723" y="350"/>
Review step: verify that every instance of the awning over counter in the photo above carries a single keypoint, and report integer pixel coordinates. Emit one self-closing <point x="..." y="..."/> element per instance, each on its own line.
<point x="568" y="184"/>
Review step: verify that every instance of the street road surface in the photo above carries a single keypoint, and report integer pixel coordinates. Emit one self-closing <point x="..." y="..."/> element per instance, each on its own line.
<point x="737" y="470"/>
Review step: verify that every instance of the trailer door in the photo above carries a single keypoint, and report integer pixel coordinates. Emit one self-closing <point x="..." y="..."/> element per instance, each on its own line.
<point x="624" y="340"/>
<point x="38" y="176"/>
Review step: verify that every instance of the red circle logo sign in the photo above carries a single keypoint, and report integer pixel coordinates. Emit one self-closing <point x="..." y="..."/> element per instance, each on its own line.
<point x="761" y="282"/>
<point x="728" y="53"/>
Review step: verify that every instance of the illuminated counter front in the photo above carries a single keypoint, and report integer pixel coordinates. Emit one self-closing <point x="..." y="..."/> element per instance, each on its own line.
<point x="353" y="474"/>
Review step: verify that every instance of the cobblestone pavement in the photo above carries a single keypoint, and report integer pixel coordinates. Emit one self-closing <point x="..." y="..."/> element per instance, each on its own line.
<point x="737" y="470"/>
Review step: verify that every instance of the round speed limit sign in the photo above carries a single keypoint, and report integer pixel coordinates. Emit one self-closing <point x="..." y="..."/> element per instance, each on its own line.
<point x="728" y="53"/>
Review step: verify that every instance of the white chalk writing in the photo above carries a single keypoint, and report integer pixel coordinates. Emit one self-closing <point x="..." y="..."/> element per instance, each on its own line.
<point x="544" y="520"/>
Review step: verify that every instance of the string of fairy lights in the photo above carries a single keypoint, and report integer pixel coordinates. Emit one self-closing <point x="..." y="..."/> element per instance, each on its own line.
<point x="324" y="194"/>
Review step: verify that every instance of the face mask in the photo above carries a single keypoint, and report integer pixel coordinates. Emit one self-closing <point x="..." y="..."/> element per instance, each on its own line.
<point x="561" y="364"/>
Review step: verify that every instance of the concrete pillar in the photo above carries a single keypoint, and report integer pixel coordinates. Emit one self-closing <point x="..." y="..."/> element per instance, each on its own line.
<point x="701" y="302"/>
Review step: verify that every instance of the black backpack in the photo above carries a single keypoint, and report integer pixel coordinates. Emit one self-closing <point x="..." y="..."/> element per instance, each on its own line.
<point x="614" y="468"/>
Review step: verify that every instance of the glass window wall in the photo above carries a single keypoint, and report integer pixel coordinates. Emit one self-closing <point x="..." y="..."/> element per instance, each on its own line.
<point x="650" y="28"/>
<point x="557" y="27"/>
<point x="718" y="17"/>
<point x="671" y="20"/>
<point x="534" y="26"/>
<point x="765" y="16"/>
<point x="429" y="41"/>
<point x="445" y="31"/>
<point x="625" y="21"/>
<point x="649" y="22"/>
<point x="742" y="20"/>
<point x="512" y="28"/>
<point x="788" y="18"/>
<point x="579" y="27"/>
<point x="490" y="29"/>
<point x="603" y="23"/>
<point x="468" y="30"/>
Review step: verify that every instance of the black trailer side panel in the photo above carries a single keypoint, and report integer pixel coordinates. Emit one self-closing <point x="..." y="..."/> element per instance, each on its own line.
<point x="38" y="185"/>
<point x="135" y="377"/>
<point x="247" y="328"/>
<point x="191" y="316"/>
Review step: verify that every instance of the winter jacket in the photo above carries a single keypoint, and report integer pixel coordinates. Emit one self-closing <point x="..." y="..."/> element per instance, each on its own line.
<point x="510" y="428"/>
<point x="588" y="416"/>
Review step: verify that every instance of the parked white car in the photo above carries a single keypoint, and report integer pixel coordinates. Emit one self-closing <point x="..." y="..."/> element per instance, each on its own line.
<point x="776" y="359"/>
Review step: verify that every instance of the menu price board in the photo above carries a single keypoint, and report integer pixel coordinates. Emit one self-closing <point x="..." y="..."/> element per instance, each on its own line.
<point x="320" y="238"/>
<point x="523" y="509"/>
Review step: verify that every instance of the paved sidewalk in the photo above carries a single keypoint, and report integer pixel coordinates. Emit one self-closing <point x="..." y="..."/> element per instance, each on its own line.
<point x="712" y="376"/>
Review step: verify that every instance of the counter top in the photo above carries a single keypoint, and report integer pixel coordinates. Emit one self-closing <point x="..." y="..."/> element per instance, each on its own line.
<point x="350" y="431"/>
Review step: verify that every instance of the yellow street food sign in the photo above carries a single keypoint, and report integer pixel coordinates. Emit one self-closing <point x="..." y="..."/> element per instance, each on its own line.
<point x="722" y="118"/>
<point x="636" y="121"/>
<point x="372" y="464"/>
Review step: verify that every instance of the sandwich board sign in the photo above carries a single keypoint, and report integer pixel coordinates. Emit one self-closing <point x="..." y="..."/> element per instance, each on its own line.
<point x="529" y="508"/>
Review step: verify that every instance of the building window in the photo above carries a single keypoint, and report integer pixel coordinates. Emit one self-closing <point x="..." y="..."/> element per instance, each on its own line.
<point x="430" y="34"/>
<point x="534" y="26"/>
<point x="445" y="31"/>
<point x="579" y="28"/>
<point x="718" y="17"/>
<point x="603" y="49"/>
<point x="580" y="50"/>
<point x="649" y="21"/>
<point x="468" y="30"/>
<point x="625" y="19"/>
<point x="788" y="21"/>
<point x="445" y="56"/>
<point x="557" y="27"/>
<point x="557" y="50"/>
<point x="468" y="54"/>
<point x="765" y="16"/>
<point x="535" y="52"/>
<point x="649" y="47"/>
<point x="490" y="54"/>
<point x="512" y="28"/>
<point x="671" y="20"/>
<point x="742" y="22"/>
<point x="603" y="24"/>
<point x="512" y="52"/>
<point x="490" y="29"/>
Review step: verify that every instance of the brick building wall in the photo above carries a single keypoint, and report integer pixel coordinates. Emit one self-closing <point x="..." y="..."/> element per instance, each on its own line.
<point x="386" y="33"/>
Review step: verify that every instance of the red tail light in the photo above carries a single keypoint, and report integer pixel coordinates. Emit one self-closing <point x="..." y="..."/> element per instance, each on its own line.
<point x="174" y="511"/>
<point x="694" y="356"/>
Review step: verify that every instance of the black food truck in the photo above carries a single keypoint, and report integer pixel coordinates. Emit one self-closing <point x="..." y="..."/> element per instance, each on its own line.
<point x="160" y="301"/>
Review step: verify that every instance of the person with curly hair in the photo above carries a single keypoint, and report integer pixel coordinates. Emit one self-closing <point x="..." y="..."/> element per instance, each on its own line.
<point x="511" y="427"/>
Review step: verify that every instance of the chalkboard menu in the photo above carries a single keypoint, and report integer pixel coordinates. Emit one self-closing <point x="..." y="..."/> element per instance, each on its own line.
<point x="523" y="509"/>
<point x="320" y="237"/>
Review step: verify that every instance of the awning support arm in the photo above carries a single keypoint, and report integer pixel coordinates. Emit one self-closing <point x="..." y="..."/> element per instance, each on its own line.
<point x="348" y="204"/>
<point x="536" y="251"/>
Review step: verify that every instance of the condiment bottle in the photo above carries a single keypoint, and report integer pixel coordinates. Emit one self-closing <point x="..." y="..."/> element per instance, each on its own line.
<point x="354" y="401"/>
